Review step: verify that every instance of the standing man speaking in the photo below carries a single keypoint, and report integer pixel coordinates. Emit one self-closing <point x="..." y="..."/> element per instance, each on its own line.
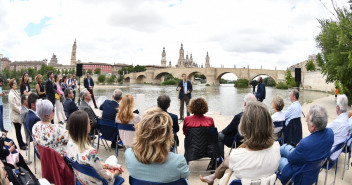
<point x="185" y="88"/>
<point x="260" y="90"/>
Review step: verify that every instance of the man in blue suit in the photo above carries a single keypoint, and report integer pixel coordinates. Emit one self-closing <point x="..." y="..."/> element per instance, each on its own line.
<point x="314" y="147"/>
<point x="32" y="117"/>
<point x="109" y="107"/>
<point x="185" y="88"/>
<point x="260" y="90"/>
<point x="69" y="104"/>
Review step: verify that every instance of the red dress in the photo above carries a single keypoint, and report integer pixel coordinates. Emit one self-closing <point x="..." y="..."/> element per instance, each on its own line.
<point x="197" y="121"/>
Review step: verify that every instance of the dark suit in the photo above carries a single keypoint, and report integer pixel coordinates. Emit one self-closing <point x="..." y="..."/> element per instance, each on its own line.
<point x="31" y="119"/>
<point x="175" y="126"/>
<point x="260" y="92"/>
<point x="311" y="148"/>
<point x="69" y="107"/>
<point x="86" y="107"/>
<point x="184" y="97"/>
<point x="231" y="130"/>
<point x="109" y="108"/>
<point x="49" y="91"/>
<point x="89" y="82"/>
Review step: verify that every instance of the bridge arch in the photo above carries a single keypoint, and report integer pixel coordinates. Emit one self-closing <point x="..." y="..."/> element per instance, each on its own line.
<point x="252" y="78"/>
<point x="224" y="73"/>
<point x="141" y="79"/>
<point x="191" y="75"/>
<point x="127" y="79"/>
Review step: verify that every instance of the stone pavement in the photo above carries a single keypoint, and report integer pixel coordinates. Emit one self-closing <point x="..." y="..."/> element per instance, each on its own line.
<point x="221" y="122"/>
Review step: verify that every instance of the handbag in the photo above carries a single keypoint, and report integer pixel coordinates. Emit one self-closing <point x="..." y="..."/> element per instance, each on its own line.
<point x="62" y="99"/>
<point x="13" y="158"/>
<point x="24" y="177"/>
<point x="57" y="96"/>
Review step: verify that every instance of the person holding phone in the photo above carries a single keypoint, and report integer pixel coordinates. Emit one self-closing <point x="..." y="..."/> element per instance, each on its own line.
<point x="185" y="88"/>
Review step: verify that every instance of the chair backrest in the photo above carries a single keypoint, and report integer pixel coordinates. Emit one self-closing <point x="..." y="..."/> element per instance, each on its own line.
<point x="338" y="147"/>
<point x="270" y="180"/>
<point x="128" y="127"/>
<point x="293" y="132"/>
<point x="108" y="130"/>
<point x="236" y="182"/>
<point x="201" y="142"/>
<point x="87" y="170"/>
<point x="278" y="126"/>
<point x="309" y="172"/>
<point x="134" y="181"/>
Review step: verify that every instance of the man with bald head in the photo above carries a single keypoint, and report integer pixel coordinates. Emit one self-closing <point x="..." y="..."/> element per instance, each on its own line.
<point x="226" y="136"/>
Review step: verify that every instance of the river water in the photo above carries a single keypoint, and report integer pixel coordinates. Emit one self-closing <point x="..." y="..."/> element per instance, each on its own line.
<point x="224" y="99"/>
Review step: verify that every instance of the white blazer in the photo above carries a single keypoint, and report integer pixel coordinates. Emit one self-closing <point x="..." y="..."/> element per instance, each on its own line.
<point x="15" y="106"/>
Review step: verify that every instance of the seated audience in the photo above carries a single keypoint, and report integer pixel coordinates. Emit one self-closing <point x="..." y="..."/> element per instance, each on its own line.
<point x="8" y="157"/>
<point x="149" y="158"/>
<point x="47" y="134"/>
<point x="227" y="135"/>
<point x="295" y="109"/>
<point x="198" y="107"/>
<point x="313" y="147"/>
<point x="126" y="116"/>
<point x="340" y="125"/>
<point x="32" y="117"/>
<point x="278" y="104"/>
<point x="164" y="104"/>
<point x="79" y="149"/>
<point x="109" y="107"/>
<point x="259" y="155"/>
<point x="86" y="97"/>
<point x="69" y="104"/>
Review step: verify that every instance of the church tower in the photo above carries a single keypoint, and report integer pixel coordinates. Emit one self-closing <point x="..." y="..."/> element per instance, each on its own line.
<point x="207" y="63"/>
<point x="181" y="59"/>
<point x="163" y="58"/>
<point x="73" y="55"/>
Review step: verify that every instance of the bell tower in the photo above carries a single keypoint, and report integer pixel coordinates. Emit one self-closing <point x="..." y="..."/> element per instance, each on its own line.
<point x="181" y="58"/>
<point x="207" y="63"/>
<point x="73" y="54"/>
<point x="163" y="58"/>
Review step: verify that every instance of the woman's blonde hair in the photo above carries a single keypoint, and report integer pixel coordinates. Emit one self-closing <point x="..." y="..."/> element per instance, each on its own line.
<point x="125" y="114"/>
<point x="78" y="129"/>
<point x="278" y="102"/>
<point x="154" y="137"/>
<point x="256" y="127"/>
<point x="37" y="78"/>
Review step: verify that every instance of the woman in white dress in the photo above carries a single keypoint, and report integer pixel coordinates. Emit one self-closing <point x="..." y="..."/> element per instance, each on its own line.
<point x="259" y="155"/>
<point x="59" y="109"/>
<point x="125" y="115"/>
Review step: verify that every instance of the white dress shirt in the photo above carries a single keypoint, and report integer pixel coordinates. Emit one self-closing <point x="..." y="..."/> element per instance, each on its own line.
<point x="294" y="111"/>
<point x="340" y="127"/>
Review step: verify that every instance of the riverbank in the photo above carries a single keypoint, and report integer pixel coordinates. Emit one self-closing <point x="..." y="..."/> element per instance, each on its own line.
<point x="221" y="122"/>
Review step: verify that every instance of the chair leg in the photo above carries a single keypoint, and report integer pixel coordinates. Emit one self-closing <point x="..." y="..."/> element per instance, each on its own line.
<point x="35" y="161"/>
<point x="337" y="161"/>
<point x="326" y="171"/>
<point x="98" y="143"/>
<point x="344" y="164"/>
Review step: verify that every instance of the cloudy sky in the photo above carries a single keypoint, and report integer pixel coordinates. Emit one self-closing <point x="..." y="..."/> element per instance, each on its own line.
<point x="235" y="32"/>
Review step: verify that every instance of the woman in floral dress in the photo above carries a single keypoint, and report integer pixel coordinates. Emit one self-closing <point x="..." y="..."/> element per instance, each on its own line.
<point x="47" y="134"/>
<point x="79" y="149"/>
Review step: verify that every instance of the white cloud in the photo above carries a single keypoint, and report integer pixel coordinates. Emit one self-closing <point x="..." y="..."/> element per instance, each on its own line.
<point x="252" y="32"/>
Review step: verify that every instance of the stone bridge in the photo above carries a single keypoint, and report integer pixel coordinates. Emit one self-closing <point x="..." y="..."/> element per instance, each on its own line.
<point x="213" y="75"/>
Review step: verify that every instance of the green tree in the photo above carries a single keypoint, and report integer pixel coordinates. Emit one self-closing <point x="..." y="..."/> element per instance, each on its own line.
<point x="89" y="71"/>
<point x="101" y="78"/>
<point x="310" y="66"/>
<point x="335" y="42"/>
<point x="84" y="71"/>
<point x="269" y="81"/>
<point x="223" y="81"/>
<point x="242" y="83"/>
<point x="97" y="71"/>
<point x="288" y="76"/>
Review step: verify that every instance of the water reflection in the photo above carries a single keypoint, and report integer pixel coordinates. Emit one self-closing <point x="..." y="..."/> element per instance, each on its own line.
<point x="224" y="99"/>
